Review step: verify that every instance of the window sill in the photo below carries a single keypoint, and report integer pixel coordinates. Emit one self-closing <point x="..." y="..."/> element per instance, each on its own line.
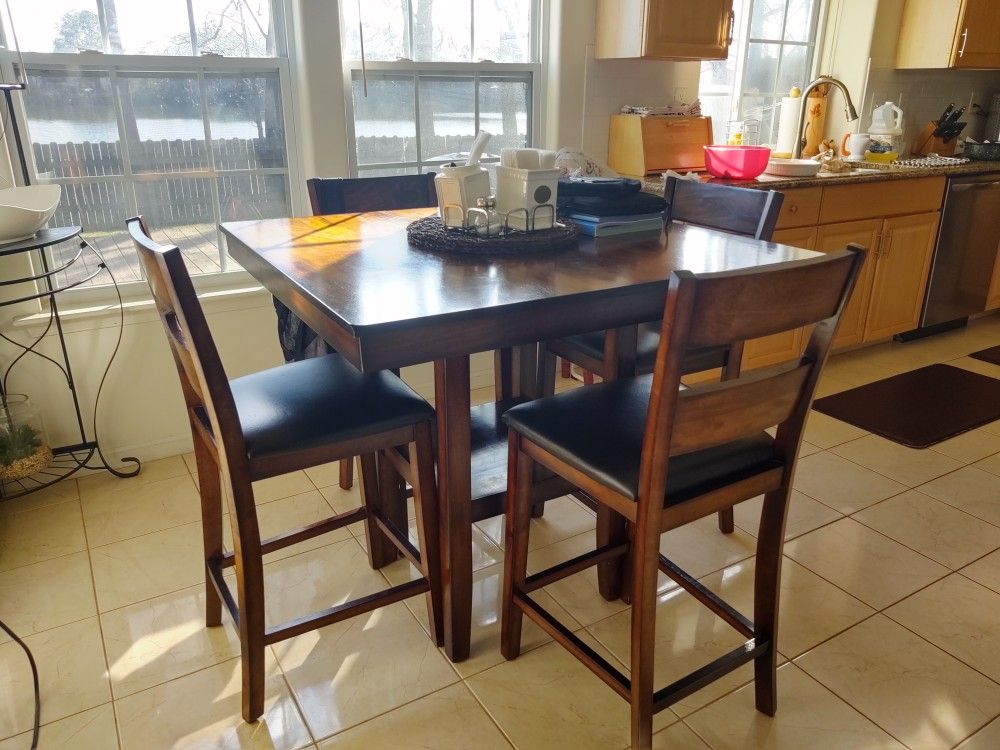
<point x="84" y="316"/>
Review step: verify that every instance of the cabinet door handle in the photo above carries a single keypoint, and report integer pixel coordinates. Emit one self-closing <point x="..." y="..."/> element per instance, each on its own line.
<point x="965" y="40"/>
<point x="732" y="23"/>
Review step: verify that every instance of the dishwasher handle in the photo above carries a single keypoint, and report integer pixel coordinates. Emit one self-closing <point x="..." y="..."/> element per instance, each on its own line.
<point x="961" y="188"/>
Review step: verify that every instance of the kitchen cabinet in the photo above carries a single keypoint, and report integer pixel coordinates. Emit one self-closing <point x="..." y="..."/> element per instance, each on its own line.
<point x="903" y="262"/>
<point x="664" y="29"/>
<point x="949" y="34"/>
<point x="833" y="237"/>
<point x="787" y="345"/>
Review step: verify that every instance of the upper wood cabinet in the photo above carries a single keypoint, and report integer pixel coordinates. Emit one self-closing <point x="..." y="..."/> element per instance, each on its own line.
<point x="665" y="29"/>
<point x="949" y="34"/>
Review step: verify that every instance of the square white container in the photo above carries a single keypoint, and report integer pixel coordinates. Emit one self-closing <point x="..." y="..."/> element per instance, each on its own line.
<point x="527" y="189"/>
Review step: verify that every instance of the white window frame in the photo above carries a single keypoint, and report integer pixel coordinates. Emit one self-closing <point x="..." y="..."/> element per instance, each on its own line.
<point x="199" y="66"/>
<point x="737" y="93"/>
<point x="539" y="11"/>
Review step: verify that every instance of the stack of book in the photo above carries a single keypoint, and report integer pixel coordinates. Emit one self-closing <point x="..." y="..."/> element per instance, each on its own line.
<point x="606" y="226"/>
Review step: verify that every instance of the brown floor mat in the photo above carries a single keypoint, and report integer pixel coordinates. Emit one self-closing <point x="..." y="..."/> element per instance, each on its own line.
<point x="919" y="408"/>
<point x="991" y="355"/>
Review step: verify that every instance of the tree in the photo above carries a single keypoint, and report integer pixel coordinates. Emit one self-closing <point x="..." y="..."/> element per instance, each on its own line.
<point x="78" y="29"/>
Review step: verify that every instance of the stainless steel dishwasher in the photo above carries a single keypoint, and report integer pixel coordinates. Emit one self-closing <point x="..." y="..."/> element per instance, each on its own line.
<point x="967" y="246"/>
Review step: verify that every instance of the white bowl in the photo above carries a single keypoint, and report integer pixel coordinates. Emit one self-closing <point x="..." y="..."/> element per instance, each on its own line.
<point x="24" y="210"/>
<point x="792" y="167"/>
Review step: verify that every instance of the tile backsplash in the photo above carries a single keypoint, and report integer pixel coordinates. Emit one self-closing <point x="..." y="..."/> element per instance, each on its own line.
<point x="923" y="94"/>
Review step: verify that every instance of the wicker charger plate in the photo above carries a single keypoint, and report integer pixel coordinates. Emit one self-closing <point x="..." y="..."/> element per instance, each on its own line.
<point x="429" y="234"/>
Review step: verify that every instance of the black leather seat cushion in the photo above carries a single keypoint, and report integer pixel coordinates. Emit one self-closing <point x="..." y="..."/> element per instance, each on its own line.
<point x="598" y="430"/>
<point x="647" y="341"/>
<point x="315" y="402"/>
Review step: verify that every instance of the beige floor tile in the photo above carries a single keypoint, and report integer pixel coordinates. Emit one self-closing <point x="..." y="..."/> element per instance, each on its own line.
<point x="289" y="513"/>
<point x="40" y="534"/>
<point x="991" y="464"/>
<point x="124" y="510"/>
<point x="355" y="670"/>
<point x="327" y="475"/>
<point x="807" y="449"/>
<point x="932" y="528"/>
<point x="141" y="568"/>
<point x="970" y="489"/>
<point x="450" y="719"/>
<point x="825" y="432"/>
<point x="976" y="365"/>
<point x="810" y="609"/>
<point x="987" y="738"/>
<point x="281" y="486"/>
<point x="546" y="698"/>
<point x="700" y="548"/>
<point x="804" y="514"/>
<point x="907" y="465"/>
<point x="93" y="729"/>
<point x="302" y="584"/>
<point x="71" y="671"/>
<point x="60" y="492"/>
<point x="564" y="517"/>
<point x="577" y="594"/>
<point x="152" y="471"/>
<point x="958" y="616"/>
<point x="842" y="484"/>
<point x="163" y="638"/>
<point x="862" y="562"/>
<point x="202" y="710"/>
<point x="688" y="636"/>
<point x="970" y="446"/>
<point x="918" y="693"/>
<point x="985" y="571"/>
<point x="487" y="587"/>
<point x="678" y="737"/>
<point x="343" y="501"/>
<point x="809" y="716"/>
<point x="47" y="594"/>
<point x="190" y="461"/>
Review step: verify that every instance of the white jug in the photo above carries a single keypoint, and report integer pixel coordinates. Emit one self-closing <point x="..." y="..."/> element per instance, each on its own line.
<point x="887" y="120"/>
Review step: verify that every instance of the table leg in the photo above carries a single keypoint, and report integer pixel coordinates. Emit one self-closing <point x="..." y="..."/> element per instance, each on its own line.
<point x="452" y="402"/>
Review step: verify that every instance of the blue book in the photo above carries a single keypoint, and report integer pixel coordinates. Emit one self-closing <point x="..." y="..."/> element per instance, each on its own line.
<point x="593" y="219"/>
<point x="608" y="229"/>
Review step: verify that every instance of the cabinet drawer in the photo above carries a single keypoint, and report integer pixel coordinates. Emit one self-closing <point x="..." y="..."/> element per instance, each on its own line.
<point x="872" y="200"/>
<point x="800" y="207"/>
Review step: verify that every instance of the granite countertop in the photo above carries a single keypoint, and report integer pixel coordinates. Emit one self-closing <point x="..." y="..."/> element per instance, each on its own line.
<point x="654" y="184"/>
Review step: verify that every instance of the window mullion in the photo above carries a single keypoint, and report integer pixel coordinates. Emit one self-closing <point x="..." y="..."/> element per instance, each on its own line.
<point x="408" y="40"/>
<point x="472" y="37"/>
<point x="195" y="44"/>
<point x="416" y="119"/>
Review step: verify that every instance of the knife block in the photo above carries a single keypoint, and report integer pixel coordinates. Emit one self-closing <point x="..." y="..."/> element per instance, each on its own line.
<point x="928" y="143"/>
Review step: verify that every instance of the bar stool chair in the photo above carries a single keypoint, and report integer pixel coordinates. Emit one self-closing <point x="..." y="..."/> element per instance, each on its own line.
<point x="626" y="352"/>
<point x="662" y="457"/>
<point x="278" y="421"/>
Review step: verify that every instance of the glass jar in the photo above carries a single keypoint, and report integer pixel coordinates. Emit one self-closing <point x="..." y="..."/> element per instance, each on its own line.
<point x="24" y="447"/>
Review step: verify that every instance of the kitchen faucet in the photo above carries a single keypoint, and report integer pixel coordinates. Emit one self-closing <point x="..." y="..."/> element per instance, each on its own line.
<point x="852" y="114"/>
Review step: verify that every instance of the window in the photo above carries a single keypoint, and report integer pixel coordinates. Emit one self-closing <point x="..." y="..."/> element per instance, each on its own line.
<point x="438" y="71"/>
<point x="773" y="49"/>
<point x="182" y="118"/>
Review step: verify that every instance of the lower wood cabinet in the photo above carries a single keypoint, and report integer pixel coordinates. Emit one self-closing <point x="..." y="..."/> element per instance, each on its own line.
<point x="833" y="237"/>
<point x="993" y="298"/>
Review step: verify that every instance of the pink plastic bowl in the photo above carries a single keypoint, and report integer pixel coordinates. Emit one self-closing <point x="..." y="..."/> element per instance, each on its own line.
<point x="736" y="162"/>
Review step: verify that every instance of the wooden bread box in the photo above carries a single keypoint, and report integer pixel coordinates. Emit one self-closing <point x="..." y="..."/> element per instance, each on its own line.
<point x="639" y="146"/>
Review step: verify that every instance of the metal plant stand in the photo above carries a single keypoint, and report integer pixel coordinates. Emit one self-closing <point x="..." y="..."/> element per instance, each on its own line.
<point x="85" y="454"/>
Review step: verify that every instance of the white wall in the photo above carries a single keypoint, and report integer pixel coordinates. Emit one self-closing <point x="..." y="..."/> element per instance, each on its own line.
<point x="584" y="92"/>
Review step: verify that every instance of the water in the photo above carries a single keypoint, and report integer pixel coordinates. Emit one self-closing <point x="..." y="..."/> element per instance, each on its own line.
<point x="168" y="128"/>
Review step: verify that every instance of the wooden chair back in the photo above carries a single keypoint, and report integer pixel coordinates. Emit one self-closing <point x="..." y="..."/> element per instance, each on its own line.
<point x="719" y="309"/>
<point x="330" y="195"/>
<point x="746" y="211"/>
<point x="206" y="389"/>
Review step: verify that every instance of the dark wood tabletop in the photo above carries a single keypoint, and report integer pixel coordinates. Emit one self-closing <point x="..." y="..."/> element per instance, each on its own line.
<point x="354" y="279"/>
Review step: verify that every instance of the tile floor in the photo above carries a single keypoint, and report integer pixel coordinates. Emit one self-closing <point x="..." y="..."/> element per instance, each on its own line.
<point x="890" y="622"/>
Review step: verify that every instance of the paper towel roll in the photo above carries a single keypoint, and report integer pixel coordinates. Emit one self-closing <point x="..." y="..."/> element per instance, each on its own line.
<point x="787" y="120"/>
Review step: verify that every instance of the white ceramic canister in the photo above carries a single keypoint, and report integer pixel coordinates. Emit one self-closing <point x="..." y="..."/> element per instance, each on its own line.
<point x="457" y="189"/>
<point x="527" y="189"/>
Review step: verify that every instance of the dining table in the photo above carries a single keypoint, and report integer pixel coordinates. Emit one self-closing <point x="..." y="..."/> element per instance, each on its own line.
<point x="384" y="304"/>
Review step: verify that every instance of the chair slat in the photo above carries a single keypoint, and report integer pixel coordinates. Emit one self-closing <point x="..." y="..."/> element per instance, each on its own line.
<point x="732" y="409"/>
